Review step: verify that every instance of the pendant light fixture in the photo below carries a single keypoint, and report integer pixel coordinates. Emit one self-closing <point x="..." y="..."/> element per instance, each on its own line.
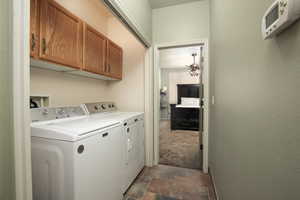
<point x="194" y="69"/>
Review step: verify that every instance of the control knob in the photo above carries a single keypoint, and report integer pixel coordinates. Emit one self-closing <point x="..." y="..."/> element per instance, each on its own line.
<point x="60" y="111"/>
<point x="45" y="112"/>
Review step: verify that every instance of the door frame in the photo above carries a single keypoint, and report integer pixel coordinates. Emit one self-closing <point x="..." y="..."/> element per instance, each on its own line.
<point x="156" y="110"/>
<point x="20" y="16"/>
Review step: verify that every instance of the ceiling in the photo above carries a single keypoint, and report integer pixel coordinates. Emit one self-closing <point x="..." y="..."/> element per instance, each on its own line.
<point x="165" y="3"/>
<point x="178" y="57"/>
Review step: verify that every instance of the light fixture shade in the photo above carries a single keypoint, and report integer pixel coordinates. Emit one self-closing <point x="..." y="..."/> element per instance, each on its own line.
<point x="194" y="69"/>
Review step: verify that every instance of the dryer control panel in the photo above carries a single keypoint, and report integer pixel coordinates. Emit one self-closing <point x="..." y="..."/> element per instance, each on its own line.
<point x="99" y="107"/>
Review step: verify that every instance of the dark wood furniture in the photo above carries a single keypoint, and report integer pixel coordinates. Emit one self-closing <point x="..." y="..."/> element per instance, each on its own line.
<point x="184" y="118"/>
<point x="187" y="90"/>
<point x="187" y="118"/>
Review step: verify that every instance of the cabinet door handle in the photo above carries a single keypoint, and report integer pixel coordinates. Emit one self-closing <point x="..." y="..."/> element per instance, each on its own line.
<point x="33" y="43"/>
<point x="109" y="68"/>
<point x="104" y="134"/>
<point x="44" y="45"/>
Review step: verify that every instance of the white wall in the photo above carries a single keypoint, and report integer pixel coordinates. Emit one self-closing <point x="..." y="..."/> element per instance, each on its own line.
<point x="178" y="57"/>
<point x="128" y="93"/>
<point x="180" y="23"/>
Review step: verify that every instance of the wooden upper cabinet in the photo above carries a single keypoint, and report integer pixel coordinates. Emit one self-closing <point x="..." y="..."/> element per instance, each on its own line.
<point x="60" y="35"/>
<point x="114" y="60"/>
<point x="94" y="51"/>
<point x="34" y="27"/>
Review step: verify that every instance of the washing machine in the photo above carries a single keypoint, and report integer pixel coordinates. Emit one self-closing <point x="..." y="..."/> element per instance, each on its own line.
<point x="133" y="137"/>
<point x="75" y="157"/>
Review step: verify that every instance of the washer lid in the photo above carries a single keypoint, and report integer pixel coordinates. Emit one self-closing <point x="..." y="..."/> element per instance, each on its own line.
<point x="72" y="130"/>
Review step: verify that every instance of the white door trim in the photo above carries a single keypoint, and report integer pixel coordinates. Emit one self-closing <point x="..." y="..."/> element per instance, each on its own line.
<point x="21" y="92"/>
<point x="149" y="108"/>
<point x="156" y="111"/>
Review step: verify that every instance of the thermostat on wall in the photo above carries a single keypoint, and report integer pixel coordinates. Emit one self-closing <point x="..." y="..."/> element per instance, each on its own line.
<point x="280" y="15"/>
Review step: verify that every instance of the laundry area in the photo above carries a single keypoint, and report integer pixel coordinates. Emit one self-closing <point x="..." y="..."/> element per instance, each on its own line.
<point x="86" y="100"/>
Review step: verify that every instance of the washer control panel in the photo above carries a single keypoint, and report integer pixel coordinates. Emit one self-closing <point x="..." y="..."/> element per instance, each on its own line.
<point x="45" y="114"/>
<point x="99" y="107"/>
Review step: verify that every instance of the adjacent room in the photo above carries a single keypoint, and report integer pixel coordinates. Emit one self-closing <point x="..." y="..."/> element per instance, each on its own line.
<point x="180" y="136"/>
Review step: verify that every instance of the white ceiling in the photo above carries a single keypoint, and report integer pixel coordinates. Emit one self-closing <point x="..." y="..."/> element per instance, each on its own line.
<point x="178" y="57"/>
<point x="165" y="3"/>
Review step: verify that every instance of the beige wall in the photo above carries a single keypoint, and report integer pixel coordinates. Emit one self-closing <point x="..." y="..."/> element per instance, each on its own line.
<point x="6" y="132"/>
<point x="254" y="140"/>
<point x="181" y="23"/>
<point x="65" y="89"/>
<point x="128" y="93"/>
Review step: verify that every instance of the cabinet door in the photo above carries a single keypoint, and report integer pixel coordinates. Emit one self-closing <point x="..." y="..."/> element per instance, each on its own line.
<point x="114" y="60"/>
<point x="34" y="27"/>
<point x="94" y="51"/>
<point x="61" y="35"/>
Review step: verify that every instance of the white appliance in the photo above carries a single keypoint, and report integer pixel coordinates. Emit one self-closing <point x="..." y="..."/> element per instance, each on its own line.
<point x="133" y="136"/>
<point x="75" y="157"/>
<point x="187" y="102"/>
<point x="279" y="16"/>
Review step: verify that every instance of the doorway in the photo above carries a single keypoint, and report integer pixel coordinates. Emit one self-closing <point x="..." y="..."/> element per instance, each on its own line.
<point x="181" y="105"/>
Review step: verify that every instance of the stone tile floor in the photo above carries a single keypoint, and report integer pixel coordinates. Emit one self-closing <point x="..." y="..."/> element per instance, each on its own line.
<point x="179" y="148"/>
<point x="171" y="183"/>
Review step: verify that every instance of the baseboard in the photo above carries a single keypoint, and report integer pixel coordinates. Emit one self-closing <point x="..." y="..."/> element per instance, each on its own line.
<point x="214" y="184"/>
